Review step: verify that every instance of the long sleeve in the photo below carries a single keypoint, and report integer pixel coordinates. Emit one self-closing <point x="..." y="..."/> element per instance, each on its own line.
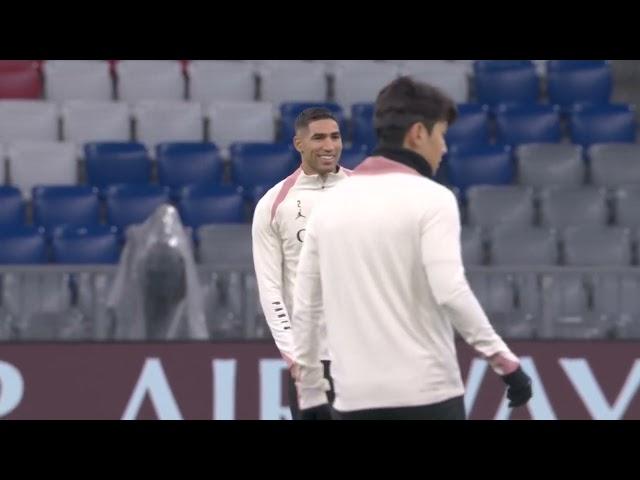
<point x="268" y="263"/>
<point x="442" y="260"/>
<point x="306" y="320"/>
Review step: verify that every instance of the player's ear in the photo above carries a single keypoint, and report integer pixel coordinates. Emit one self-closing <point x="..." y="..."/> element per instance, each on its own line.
<point x="297" y="143"/>
<point x="414" y="134"/>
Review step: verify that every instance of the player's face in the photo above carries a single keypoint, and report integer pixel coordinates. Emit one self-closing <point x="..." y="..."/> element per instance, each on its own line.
<point x="433" y="146"/>
<point x="320" y="146"/>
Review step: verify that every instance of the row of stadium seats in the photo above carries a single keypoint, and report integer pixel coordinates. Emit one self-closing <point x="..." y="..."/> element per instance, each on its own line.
<point x="560" y="304"/>
<point x="554" y="305"/>
<point x="486" y="206"/>
<point x="153" y="122"/>
<point x="505" y="245"/>
<point x="252" y="165"/>
<point x="256" y="166"/>
<point x="558" y="207"/>
<point x="524" y="293"/>
<point x="124" y="205"/>
<point x="540" y="165"/>
<point x="346" y="82"/>
<point x="524" y="245"/>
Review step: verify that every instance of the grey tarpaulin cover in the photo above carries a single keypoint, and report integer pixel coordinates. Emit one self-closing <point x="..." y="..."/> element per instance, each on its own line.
<point x="156" y="294"/>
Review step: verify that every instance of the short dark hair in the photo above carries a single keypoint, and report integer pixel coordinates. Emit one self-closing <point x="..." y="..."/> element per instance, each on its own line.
<point x="312" y="114"/>
<point x="406" y="101"/>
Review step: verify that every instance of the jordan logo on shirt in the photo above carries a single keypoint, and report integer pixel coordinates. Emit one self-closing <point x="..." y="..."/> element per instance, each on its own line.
<point x="300" y="215"/>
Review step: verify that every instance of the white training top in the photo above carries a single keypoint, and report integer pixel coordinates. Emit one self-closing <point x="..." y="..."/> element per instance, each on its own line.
<point x="278" y="230"/>
<point x="381" y="264"/>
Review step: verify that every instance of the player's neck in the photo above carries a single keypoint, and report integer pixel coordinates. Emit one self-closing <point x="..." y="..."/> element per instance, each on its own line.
<point x="405" y="156"/>
<point x="307" y="170"/>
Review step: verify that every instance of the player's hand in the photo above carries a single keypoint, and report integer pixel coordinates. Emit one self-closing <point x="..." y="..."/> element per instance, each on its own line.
<point x="294" y="370"/>
<point x="518" y="387"/>
<point x="292" y="366"/>
<point x="321" y="412"/>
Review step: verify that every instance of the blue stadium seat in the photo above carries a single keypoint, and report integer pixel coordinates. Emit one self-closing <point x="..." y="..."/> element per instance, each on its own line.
<point x="22" y="245"/>
<point x="11" y="207"/>
<point x="517" y="125"/>
<point x="290" y="110"/>
<point x="202" y="205"/>
<point x="490" y="165"/>
<point x="591" y="124"/>
<point x="72" y="205"/>
<point x="130" y="204"/>
<point x="589" y="85"/>
<point x="256" y="193"/>
<point x="352" y="157"/>
<point x="86" y="245"/>
<point x="110" y="163"/>
<point x="262" y="163"/>
<point x="188" y="163"/>
<point x="362" y="131"/>
<point x="471" y="128"/>
<point x="558" y="65"/>
<point x="515" y="85"/>
<point x="495" y="65"/>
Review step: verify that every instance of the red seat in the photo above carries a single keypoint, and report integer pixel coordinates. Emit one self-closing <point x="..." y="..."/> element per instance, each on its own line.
<point x="20" y="79"/>
<point x="18" y="65"/>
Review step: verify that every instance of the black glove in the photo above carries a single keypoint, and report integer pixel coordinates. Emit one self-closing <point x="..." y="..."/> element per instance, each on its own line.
<point x="519" y="387"/>
<point x="321" y="412"/>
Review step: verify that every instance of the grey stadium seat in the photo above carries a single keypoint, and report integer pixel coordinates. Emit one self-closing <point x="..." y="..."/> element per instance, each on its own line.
<point x="150" y="80"/>
<point x="627" y="207"/>
<point x="449" y="76"/>
<point x="28" y="120"/>
<point x="519" y="245"/>
<point x="86" y="121"/>
<point x="597" y="246"/>
<point x="77" y="80"/>
<point x="158" y="121"/>
<point x="293" y="82"/>
<point x="625" y="302"/>
<point x="562" y="207"/>
<point x="40" y="304"/>
<point x="231" y="312"/>
<point x="6" y="325"/>
<point x="566" y="297"/>
<point x="615" y="164"/>
<point x="541" y="165"/>
<point x="221" y="80"/>
<point x="613" y="300"/>
<point x="360" y="81"/>
<point x="226" y="244"/>
<point x="497" y="294"/>
<point x="69" y="325"/>
<point x="488" y="205"/>
<point x="42" y="163"/>
<point x="93" y="290"/>
<point x="616" y="299"/>
<point x="472" y="245"/>
<point x="241" y="122"/>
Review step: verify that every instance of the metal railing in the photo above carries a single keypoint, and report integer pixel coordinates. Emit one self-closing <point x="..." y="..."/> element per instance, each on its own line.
<point x="68" y="302"/>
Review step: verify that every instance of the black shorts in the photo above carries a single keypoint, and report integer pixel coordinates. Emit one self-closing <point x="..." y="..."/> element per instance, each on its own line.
<point x="452" y="409"/>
